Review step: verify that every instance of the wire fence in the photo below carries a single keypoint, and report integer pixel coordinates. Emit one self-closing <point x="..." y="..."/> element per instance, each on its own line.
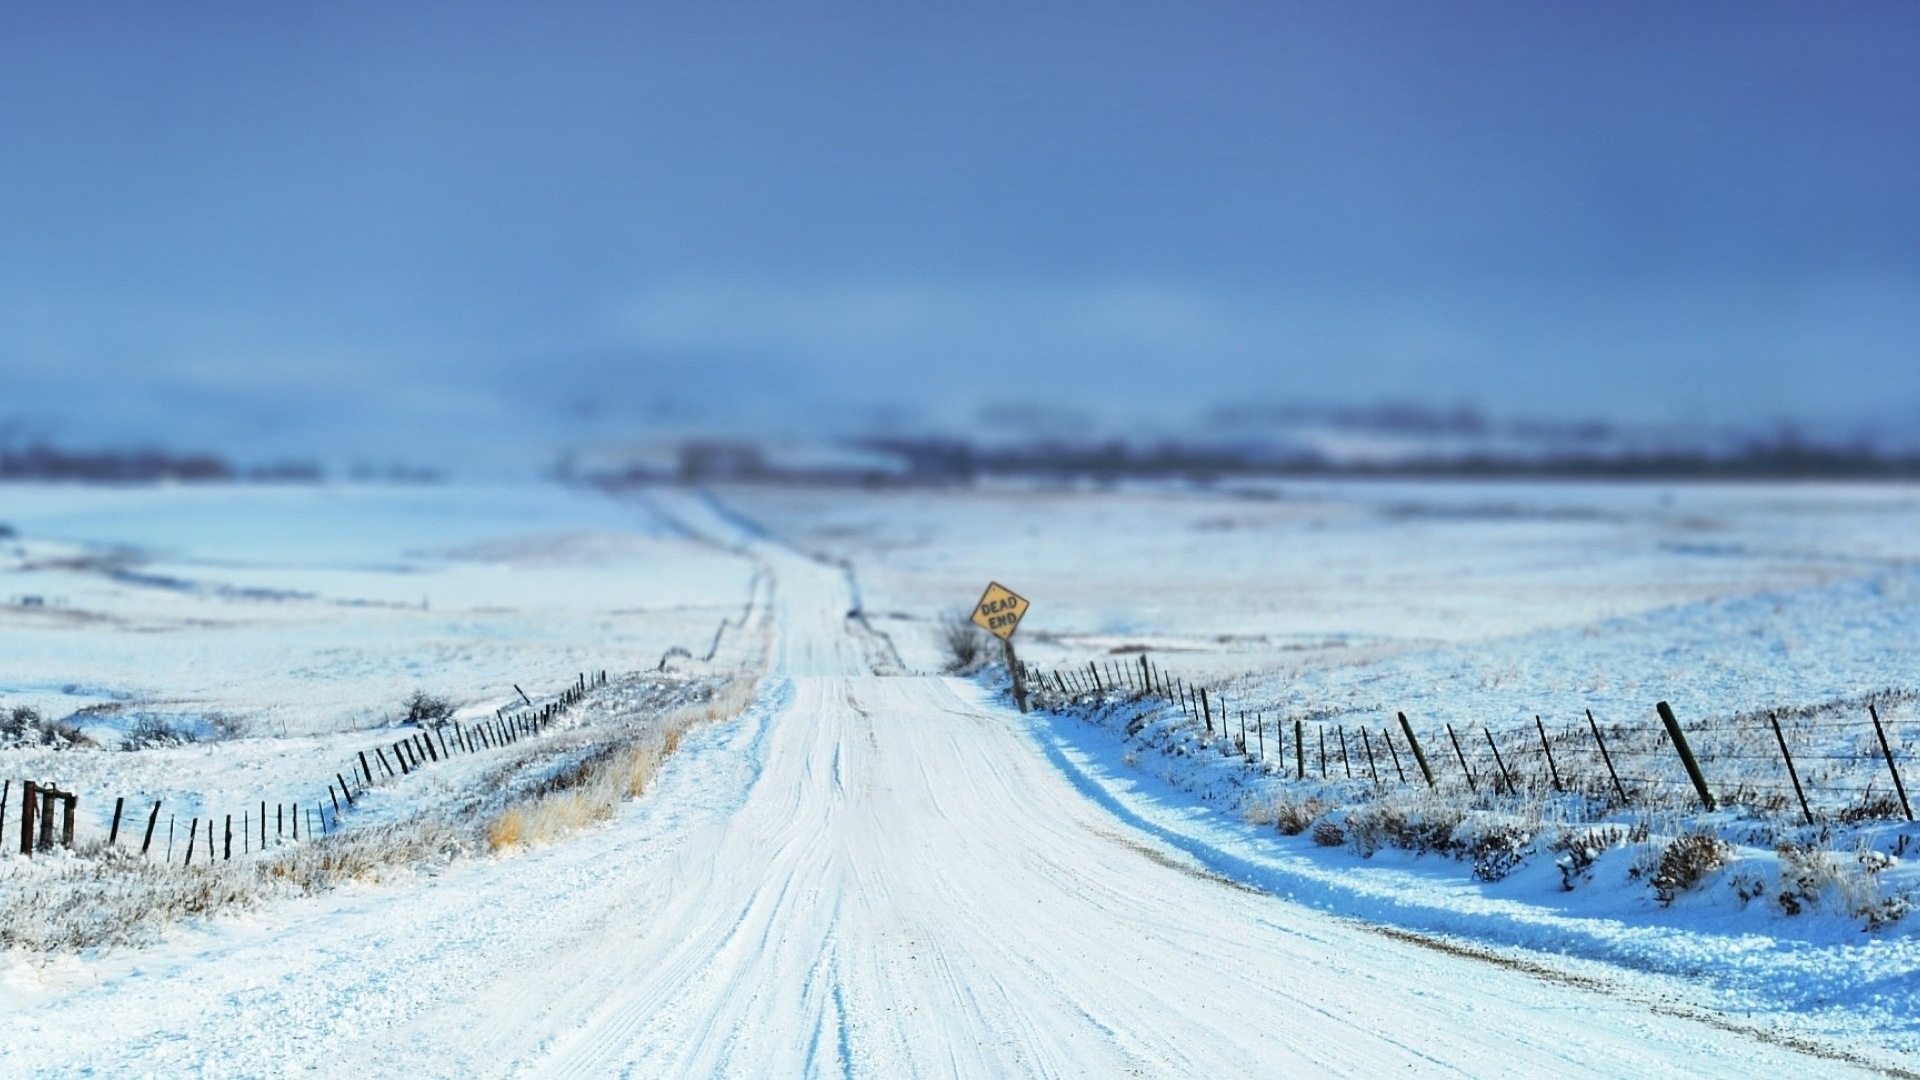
<point x="1839" y="761"/>
<point x="259" y="827"/>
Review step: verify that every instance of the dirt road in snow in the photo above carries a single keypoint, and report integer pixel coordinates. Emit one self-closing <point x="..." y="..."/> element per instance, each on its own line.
<point x="866" y="876"/>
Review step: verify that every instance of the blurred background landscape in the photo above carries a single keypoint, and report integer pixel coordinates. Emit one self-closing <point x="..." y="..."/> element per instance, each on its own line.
<point x="860" y="241"/>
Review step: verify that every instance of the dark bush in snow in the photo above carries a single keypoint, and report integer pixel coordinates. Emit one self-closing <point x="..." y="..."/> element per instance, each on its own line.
<point x="23" y="726"/>
<point x="424" y="708"/>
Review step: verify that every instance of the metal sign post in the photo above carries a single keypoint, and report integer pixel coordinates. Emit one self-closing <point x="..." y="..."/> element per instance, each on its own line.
<point x="999" y="613"/>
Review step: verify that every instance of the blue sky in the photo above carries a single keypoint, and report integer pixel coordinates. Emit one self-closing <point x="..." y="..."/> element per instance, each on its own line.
<point x="313" y="221"/>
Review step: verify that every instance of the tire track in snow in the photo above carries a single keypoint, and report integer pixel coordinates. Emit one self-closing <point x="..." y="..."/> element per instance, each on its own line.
<point x="865" y="877"/>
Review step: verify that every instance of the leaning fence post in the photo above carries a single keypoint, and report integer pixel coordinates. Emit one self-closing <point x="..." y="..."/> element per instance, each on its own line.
<point x="1606" y="757"/>
<point x="113" y="834"/>
<point x="1345" y="761"/>
<point x="1548" y="750"/>
<point x="1462" y="755"/>
<point x="1366" y="742"/>
<point x="343" y="790"/>
<point x="1888" y="754"/>
<point x="364" y="769"/>
<point x="1207" y="710"/>
<point x="1792" y="774"/>
<point x="1386" y="735"/>
<point x="1686" y="754"/>
<point x="336" y="800"/>
<point x="152" y="820"/>
<point x="1495" y="747"/>
<point x="1419" y="755"/>
<point x="193" y="833"/>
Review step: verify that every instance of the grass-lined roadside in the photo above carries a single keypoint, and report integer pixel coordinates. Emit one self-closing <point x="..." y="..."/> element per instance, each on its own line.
<point x="542" y="791"/>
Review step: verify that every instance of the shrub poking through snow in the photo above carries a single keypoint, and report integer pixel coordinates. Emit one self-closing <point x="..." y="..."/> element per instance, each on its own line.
<point x="965" y="645"/>
<point x="1809" y="872"/>
<point x="1327" y="833"/>
<point x="1580" y="848"/>
<point x="21" y="726"/>
<point x="1499" y="849"/>
<point x="425" y="708"/>
<point x="148" y="731"/>
<point x="1686" y="861"/>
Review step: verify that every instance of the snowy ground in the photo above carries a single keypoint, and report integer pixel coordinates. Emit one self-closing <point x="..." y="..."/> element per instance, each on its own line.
<point x="898" y="876"/>
<point x="282" y="628"/>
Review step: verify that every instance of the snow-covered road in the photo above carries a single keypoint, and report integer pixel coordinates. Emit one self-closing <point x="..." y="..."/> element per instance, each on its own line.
<point x="863" y="876"/>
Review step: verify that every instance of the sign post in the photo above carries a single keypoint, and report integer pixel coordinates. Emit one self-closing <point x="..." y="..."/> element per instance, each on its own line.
<point x="998" y="613"/>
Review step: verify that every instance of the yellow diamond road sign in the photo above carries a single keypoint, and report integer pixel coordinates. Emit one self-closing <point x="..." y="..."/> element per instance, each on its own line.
<point x="999" y="611"/>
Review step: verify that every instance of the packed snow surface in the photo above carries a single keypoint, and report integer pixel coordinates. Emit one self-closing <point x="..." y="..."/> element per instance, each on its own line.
<point x="900" y="876"/>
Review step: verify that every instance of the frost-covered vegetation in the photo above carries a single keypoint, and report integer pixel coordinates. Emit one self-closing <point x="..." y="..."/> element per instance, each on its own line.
<point x="530" y="792"/>
<point x="1756" y="850"/>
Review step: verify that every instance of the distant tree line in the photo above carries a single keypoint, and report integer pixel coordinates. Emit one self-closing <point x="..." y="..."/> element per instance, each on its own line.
<point x="144" y="465"/>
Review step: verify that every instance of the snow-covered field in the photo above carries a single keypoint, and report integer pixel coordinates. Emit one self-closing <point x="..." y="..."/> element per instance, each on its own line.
<point x="281" y="630"/>
<point x="880" y="874"/>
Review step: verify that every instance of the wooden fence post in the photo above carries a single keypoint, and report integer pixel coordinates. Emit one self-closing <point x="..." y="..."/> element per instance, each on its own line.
<point x="228" y="856"/>
<point x="1345" y="761"/>
<point x="1206" y="710"/>
<point x="1299" y="750"/>
<point x="1686" y="754"/>
<point x="365" y="769"/>
<point x="1419" y="756"/>
<point x="152" y="820"/>
<point x="66" y="821"/>
<point x="1888" y="754"/>
<point x="113" y="834"/>
<point x="6" y="795"/>
<point x="1366" y="743"/>
<point x="48" y="796"/>
<point x="29" y="805"/>
<point x="193" y="833"/>
<point x="343" y="789"/>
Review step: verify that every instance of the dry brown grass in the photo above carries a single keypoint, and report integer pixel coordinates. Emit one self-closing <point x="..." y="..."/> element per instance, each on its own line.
<point x="594" y="789"/>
